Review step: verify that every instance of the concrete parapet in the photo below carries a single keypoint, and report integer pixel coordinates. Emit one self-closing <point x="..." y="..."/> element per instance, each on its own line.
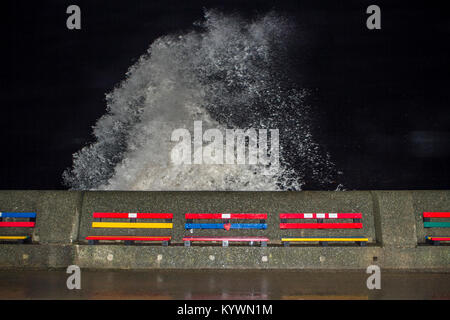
<point x="392" y="221"/>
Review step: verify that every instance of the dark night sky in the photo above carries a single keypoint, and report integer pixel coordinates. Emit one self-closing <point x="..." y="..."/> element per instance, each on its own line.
<point x="381" y="97"/>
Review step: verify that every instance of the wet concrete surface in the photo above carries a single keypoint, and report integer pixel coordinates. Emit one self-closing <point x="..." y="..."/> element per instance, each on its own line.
<point x="215" y="285"/>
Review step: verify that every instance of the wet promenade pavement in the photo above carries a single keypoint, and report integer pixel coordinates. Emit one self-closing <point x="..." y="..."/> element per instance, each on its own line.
<point x="202" y="284"/>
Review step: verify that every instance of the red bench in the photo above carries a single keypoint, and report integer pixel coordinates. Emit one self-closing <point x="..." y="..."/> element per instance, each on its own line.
<point x="225" y="223"/>
<point x="320" y="224"/>
<point x="427" y="223"/>
<point x="8" y="220"/>
<point x="132" y="223"/>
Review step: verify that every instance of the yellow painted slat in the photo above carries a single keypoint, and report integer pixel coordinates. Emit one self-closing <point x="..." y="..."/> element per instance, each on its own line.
<point x="322" y="239"/>
<point x="132" y="225"/>
<point x="13" y="237"/>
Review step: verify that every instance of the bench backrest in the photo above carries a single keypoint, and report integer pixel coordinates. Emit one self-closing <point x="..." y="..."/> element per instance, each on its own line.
<point x="132" y="222"/>
<point x="31" y="216"/>
<point x="319" y="223"/>
<point x="225" y="220"/>
<point x="427" y="216"/>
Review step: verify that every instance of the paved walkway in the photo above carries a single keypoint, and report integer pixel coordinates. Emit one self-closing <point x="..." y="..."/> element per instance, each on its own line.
<point x="269" y="284"/>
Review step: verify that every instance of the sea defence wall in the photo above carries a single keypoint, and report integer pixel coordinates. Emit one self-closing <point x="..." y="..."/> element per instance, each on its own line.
<point x="392" y="221"/>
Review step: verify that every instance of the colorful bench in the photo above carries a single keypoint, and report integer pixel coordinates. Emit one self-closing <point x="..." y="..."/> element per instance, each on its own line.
<point x="225" y="224"/>
<point x="30" y="223"/>
<point x="320" y="224"/>
<point x="131" y="224"/>
<point x="427" y="223"/>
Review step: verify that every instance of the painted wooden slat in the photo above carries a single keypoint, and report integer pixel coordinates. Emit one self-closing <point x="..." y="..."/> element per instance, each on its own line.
<point x="226" y="215"/>
<point x="320" y="225"/>
<point x="221" y="226"/>
<point x="438" y="238"/>
<point x="324" y="239"/>
<point x="17" y="224"/>
<point x="13" y="237"/>
<point x="436" y="224"/>
<point x="314" y="216"/>
<point x="126" y="215"/>
<point x="436" y="214"/>
<point x="133" y="238"/>
<point x="244" y="239"/>
<point x="132" y="225"/>
<point x="17" y="214"/>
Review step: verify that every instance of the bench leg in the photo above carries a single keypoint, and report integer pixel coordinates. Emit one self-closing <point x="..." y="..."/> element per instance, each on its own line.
<point x="362" y="243"/>
<point x="324" y="243"/>
<point x="129" y="242"/>
<point x="286" y="243"/>
<point x="436" y="243"/>
<point x="251" y="243"/>
<point x="165" y="243"/>
<point x="225" y="243"/>
<point x="27" y="240"/>
<point x="263" y="244"/>
<point x="91" y="242"/>
<point x="187" y="243"/>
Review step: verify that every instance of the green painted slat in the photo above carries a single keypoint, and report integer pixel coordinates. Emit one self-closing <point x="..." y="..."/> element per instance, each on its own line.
<point x="436" y="224"/>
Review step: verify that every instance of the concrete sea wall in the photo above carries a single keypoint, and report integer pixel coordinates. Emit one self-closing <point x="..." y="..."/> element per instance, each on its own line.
<point x="392" y="221"/>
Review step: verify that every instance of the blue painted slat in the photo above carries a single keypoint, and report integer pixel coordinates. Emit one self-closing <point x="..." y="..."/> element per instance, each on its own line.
<point x="220" y="226"/>
<point x="17" y="214"/>
<point x="248" y="226"/>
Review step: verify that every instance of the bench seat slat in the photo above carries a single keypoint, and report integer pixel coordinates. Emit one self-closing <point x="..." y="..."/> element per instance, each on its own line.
<point x="227" y="216"/>
<point x="314" y="215"/>
<point x="221" y="226"/>
<point x="118" y="215"/>
<point x="17" y="224"/>
<point x="17" y="214"/>
<point x="13" y="237"/>
<point x="433" y="238"/>
<point x="133" y="238"/>
<point x="320" y="225"/>
<point x="323" y="239"/>
<point x="436" y="214"/>
<point x="132" y="225"/>
<point x="234" y="239"/>
<point x="436" y="224"/>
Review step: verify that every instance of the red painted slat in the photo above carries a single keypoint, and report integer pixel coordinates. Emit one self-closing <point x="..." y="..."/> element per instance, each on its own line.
<point x="339" y="215"/>
<point x="137" y="238"/>
<point x="436" y="214"/>
<point x="232" y="215"/>
<point x="440" y="238"/>
<point x="17" y="224"/>
<point x="320" y="225"/>
<point x="118" y="215"/>
<point x="244" y="239"/>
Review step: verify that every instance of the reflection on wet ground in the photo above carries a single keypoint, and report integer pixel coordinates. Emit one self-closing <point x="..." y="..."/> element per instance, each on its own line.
<point x="224" y="284"/>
